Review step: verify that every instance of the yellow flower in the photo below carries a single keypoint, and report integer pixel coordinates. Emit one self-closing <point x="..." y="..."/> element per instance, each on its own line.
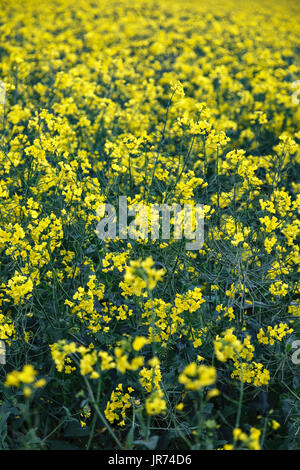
<point x="155" y="403"/>
<point x="212" y="393"/>
<point x="27" y="391"/>
<point x="139" y="342"/>
<point x="275" y="424"/>
<point x="195" y="377"/>
<point x="25" y="377"/>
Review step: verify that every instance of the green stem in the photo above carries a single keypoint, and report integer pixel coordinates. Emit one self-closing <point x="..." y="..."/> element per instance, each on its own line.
<point x="93" y="401"/>
<point x="94" y="417"/>
<point x="238" y="416"/>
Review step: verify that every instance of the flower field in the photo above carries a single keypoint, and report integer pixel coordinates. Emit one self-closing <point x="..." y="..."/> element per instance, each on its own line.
<point x="147" y="342"/>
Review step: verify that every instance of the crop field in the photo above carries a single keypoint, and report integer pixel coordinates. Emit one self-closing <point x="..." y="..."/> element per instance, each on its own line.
<point x="149" y="225"/>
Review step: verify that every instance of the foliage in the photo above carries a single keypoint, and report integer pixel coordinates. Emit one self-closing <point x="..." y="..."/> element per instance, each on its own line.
<point x="141" y="344"/>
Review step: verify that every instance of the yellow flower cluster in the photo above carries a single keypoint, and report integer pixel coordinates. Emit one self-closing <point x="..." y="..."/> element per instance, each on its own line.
<point x="251" y="441"/>
<point x="120" y="401"/>
<point x="25" y="378"/>
<point x="274" y="333"/>
<point x="161" y="103"/>
<point x="228" y="346"/>
<point x="140" y="276"/>
<point x="190" y="301"/>
<point x="195" y="377"/>
<point x="155" y="403"/>
<point x="150" y="378"/>
<point x="253" y="372"/>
